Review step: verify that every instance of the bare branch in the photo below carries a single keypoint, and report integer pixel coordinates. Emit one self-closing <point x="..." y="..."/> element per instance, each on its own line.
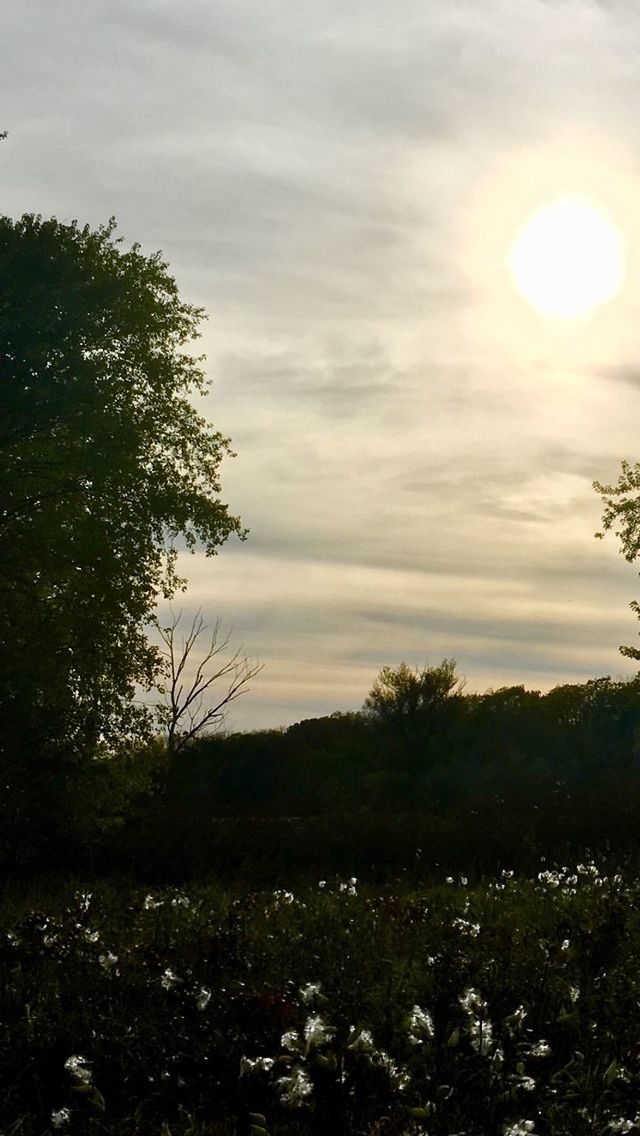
<point x="188" y="708"/>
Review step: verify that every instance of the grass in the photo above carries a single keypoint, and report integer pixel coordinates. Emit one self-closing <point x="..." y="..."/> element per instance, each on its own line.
<point x="509" y="1006"/>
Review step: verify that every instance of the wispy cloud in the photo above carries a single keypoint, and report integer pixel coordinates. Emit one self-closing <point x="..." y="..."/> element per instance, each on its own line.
<point x="415" y="474"/>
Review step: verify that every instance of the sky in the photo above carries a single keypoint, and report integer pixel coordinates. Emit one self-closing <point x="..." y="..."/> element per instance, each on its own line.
<point x="338" y="184"/>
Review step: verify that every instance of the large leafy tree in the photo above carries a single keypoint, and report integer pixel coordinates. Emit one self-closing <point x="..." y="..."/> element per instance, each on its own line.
<point x="622" y="515"/>
<point x="104" y="463"/>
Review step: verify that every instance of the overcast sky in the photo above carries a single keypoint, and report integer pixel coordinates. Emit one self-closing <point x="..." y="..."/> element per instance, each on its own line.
<point x="336" y="182"/>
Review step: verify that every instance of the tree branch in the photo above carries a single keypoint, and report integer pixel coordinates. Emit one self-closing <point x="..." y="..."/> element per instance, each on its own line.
<point x="186" y="711"/>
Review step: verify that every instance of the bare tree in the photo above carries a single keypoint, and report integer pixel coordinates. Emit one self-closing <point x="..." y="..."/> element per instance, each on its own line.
<point x="190" y="704"/>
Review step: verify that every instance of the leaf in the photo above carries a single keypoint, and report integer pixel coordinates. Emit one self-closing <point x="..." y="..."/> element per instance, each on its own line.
<point x="610" y="1072"/>
<point x="423" y="1112"/>
<point x="97" y="1101"/>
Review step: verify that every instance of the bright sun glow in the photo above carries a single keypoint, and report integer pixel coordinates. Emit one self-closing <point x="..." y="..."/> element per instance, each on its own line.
<point x="567" y="259"/>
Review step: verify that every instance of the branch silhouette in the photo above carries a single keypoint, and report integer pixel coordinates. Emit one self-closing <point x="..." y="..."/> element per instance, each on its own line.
<point x="187" y="709"/>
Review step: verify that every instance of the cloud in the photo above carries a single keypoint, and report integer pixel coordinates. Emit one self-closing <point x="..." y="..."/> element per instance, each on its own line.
<point x="324" y="629"/>
<point x="415" y="468"/>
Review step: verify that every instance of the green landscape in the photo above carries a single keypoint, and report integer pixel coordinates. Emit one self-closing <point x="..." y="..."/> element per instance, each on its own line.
<point x="417" y="917"/>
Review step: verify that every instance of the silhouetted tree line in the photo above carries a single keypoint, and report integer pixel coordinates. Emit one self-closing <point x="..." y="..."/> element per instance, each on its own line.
<point x="504" y="742"/>
<point x="452" y="778"/>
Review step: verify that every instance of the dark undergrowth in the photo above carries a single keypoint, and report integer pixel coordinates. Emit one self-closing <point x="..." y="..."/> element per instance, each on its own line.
<point x="425" y="1004"/>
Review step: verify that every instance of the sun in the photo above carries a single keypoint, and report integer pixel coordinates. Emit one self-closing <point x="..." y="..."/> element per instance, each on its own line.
<point x="567" y="259"/>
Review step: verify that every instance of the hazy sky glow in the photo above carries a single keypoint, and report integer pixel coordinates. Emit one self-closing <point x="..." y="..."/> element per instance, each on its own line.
<point x="339" y="184"/>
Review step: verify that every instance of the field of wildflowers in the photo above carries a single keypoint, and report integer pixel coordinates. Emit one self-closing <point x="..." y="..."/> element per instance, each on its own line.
<point x="509" y="1006"/>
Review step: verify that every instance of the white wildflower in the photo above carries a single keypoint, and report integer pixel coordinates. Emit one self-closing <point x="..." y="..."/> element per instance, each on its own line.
<point x="399" y="1077"/>
<point x="253" y="1064"/>
<point x="79" y="1067"/>
<point x="466" y="928"/>
<point x="309" y="992"/>
<point x="551" y="879"/>
<point x="150" y="903"/>
<point x="290" y="1040"/>
<point x="420" y="1026"/>
<point x="90" y="936"/>
<point x="622" y="1125"/>
<point x="60" y="1118"/>
<point x="481" y="1034"/>
<point x="316" y="1032"/>
<point x="281" y="896"/>
<point x="472" y="1002"/>
<point x="169" y="979"/>
<point x="295" y="1088"/>
<point x="361" y="1042"/>
<point x="203" y="999"/>
<point x="574" y="993"/>
<point x="350" y="887"/>
<point x="587" y="869"/>
<point x="108" y="961"/>
<point x="540" y="1049"/>
<point x="520" y="1128"/>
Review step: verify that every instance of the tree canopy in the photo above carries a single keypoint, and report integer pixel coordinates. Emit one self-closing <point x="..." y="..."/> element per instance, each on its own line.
<point x="104" y="462"/>
<point x="408" y="702"/>
<point x="622" y="514"/>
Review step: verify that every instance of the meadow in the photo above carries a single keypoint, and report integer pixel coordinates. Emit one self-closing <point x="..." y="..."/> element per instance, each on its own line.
<point x="441" y="1006"/>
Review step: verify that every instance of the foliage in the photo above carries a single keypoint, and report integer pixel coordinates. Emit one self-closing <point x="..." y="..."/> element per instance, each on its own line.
<point x="512" y="775"/>
<point x="508" y="1006"/>
<point x="408" y="702"/>
<point x="622" y="515"/>
<point x="104" y="463"/>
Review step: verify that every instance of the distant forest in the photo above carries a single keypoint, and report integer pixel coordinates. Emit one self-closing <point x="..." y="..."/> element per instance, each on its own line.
<point x="487" y="780"/>
<point x="475" y="782"/>
<point x="503" y="745"/>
